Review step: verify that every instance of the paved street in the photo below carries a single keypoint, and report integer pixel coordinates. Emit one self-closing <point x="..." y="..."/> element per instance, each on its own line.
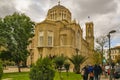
<point x="104" y="78"/>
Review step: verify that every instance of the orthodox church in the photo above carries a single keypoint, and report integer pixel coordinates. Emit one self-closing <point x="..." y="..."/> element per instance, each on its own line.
<point x="58" y="34"/>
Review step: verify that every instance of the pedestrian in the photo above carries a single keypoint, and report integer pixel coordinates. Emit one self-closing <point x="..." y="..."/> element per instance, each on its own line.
<point x="86" y="72"/>
<point x="91" y="75"/>
<point x="96" y="72"/>
<point x="99" y="71"/>
<point x="90" y="68"/>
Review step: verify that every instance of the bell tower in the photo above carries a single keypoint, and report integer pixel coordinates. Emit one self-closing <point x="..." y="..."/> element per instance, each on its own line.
<point x="90" y="34"/>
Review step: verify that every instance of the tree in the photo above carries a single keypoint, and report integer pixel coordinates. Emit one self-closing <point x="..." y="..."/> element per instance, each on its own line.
<point x="5" y="55"/>
<point x="43" y="70"/>
<point x="6" y="58"/>
<point x="20" y="31"/>
<point x="77" y="60"/>
<point x="96" y="57"/>
<point x="59" y="62"/>
<point x="4" y="31"/>
<point x="102" y="41"/>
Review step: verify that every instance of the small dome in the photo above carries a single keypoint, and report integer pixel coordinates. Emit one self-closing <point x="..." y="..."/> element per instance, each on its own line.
<point x="59" y="12"/>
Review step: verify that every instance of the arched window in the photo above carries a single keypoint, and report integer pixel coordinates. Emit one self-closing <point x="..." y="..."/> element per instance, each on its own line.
<point x="50" y="38"/>
<point x="41" y="38"/>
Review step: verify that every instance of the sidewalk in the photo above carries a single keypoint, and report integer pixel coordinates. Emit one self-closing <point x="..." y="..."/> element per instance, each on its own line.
<point x="106" y="78"/>
<point x="103" y="77"/>
<point x="15" y="69"/>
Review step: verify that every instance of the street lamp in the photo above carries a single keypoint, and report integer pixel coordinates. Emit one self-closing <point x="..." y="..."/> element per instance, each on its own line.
<point x="110" y="61"/>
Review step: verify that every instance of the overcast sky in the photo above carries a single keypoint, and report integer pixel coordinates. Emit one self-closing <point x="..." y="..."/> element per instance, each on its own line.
<point x="104" y="13"/>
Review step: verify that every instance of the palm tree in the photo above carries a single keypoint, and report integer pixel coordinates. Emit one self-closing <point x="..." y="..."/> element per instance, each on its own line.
<point x="77" y="60"/>
<point x="59" y="62"/>
<point x="67" y="66"/>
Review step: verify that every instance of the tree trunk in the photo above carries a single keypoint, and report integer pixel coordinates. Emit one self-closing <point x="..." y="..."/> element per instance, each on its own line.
<point x="77" y="69"/>
<point x="19" y="69"/>
<point x="24" y="63"/>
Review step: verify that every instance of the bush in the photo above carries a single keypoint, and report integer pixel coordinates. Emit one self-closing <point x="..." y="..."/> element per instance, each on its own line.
<point x="67" y="66"/>
<point x="43" y="70"/>
<point x="1" y="70"/>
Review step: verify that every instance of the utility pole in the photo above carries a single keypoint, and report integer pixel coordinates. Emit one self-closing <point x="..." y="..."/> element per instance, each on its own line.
<point x="110" y="60"/>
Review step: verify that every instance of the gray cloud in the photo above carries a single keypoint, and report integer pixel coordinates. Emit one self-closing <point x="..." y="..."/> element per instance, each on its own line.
<point x="104" y="13"/>
<point x="38" y="9"/>
<point x="6" y="7"/>
<point x="79" y="8"/>
<point x="35" y="11"/>
<point x="84" y="8"/>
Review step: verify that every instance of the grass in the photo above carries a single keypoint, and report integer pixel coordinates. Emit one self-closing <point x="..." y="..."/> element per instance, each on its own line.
<point x="72" y="76"/>
<point x="25" y="76"/>
<point x="17" y="76"/>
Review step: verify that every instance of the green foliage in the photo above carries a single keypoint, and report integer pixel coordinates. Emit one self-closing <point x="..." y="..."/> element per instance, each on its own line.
<point x="96" y="58"/>
<point x="59" y="61"/>
<point x="25" y="76"/>
<point x="5" y="55"/>
<point x="72" y="76"/>
<point x="43" y="70"/>
<point x="67" y="66"/>
<point x="16" y="76"/>
<point x="101" y="41"/>
<point x="3" y="34"/>
<point x="1" y="70"/>
<point x="16" y="32"/>
<point x="8" y="63"/>
<point x="77" y="60"/>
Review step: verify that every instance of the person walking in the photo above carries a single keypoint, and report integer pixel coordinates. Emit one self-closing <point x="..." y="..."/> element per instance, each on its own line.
<point x="91" y="75"/>
<point x="99" y="71"/>
<point x="90" y="68"/>
<point x="86" y="72"/>
<point x="96" y="72"/>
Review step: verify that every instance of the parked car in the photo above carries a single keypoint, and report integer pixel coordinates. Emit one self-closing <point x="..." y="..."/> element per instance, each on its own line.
<point x="117" y="73"/>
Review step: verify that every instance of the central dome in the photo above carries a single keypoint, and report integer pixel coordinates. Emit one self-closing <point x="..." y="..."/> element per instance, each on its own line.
<point x="59" y="12"/>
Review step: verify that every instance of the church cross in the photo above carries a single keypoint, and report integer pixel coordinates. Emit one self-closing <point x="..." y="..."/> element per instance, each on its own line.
<point x="59" y="2"/>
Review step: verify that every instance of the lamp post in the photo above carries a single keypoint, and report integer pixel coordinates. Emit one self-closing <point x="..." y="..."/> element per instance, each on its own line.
<point x="110" y="61"/>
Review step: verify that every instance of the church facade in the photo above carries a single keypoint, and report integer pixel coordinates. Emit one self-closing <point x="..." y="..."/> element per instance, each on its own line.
<point x="58" y="34"/>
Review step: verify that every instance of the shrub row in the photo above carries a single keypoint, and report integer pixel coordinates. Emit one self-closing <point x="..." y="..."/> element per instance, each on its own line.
<point x="43" y="70"/>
